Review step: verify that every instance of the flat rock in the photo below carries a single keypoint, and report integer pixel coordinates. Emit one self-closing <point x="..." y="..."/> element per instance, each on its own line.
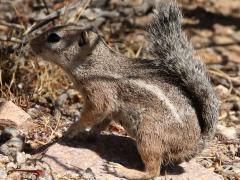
<point x="14" y="124"/>
<point x="13" y="116"/>
<point x="65" y="157"/>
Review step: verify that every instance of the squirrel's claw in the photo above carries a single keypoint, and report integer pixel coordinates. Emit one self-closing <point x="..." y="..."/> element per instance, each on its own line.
<point x="115" y="169"/>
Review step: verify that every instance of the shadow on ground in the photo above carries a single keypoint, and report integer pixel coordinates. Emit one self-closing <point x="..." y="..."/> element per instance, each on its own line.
<point x="112" y="148"/>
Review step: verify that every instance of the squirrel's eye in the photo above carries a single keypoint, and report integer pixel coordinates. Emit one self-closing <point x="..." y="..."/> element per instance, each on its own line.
<point x="53" y="38"/>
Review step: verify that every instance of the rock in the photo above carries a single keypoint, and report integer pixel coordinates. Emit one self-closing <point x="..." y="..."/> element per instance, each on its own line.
<point x="88" y="175"/>
<point x="64" y="157"/>
<point x="223" y="30"/>
<point x="207" y="163"/>
<point x="229" y="54"/>
<point x="193" y="170"/>
<point x="14" y="176"/>
<point x="3" y="174"/>
<point x="4" y="159"/>
<point x="143" y="8"/>
<point x="135" y="40"/>
<point x="229" y="133"/>
<point x="15" y="115"/>
<point x="12" y="146"/>
<point x="141" y="21"/>
<point x="14" y="124"/>
<point x="223" y="40"/>
<point x="199" y="41"/>
<point x="234" y="116"/>
<point x="11" y="131"/>
<point x="22" y="157"/>
<point x="208" y="56"/>
<point x="11" y="166"/>
<point x="34" y="113"/>
<point x="227" y="8"/>
<point x="236" y="36"/>
<point x="222" y="92"/>
<point x="62" y="99"/>
<point x="236" y="168"/>
<point x="205" y="33"/>
<point x="73" y="94"/>
<point x="97" y="3"/>
<point x="8" y="133"/>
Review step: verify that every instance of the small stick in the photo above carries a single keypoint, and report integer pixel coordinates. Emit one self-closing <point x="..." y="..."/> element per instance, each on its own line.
<point x="79" y="12"/>
<point x="11" y="49"/>
<point x="46" y="7"/>
<point x="44" y="21"/>
<point x="12" y="25"/>
<point x="39" y="172"/>
<point x="10" y="39"/>
<point x="219" y="73"/>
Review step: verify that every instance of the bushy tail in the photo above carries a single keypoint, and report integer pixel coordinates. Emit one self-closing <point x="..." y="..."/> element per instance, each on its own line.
<point x="175" y="53"/>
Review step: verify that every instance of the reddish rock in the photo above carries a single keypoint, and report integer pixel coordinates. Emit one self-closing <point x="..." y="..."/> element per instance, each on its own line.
<point x="222" y="92"/>
<point x="64" y="158"/>
<point x="223" y="30"/>
<point x="230" y="53"/>
<point x="14" y="124"/>
<point x="13" y="116"/>
<point x="208" y="56"/>
<point x="223" y="40"/>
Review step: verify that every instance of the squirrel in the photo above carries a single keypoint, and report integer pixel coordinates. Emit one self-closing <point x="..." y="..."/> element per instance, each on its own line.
<point x="166" y="103"/>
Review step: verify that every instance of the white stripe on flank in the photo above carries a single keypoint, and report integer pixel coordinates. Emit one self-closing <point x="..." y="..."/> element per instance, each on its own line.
<point x="160" y="95"/>
<point x="154" y="89"/>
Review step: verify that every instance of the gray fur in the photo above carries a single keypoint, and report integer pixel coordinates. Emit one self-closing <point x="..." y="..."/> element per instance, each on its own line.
<point x="176" y="56"/>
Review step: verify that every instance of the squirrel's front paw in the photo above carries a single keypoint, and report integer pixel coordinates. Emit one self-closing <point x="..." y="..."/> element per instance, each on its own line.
<point x="71" y="133"/>
<point x="74" y="133"/>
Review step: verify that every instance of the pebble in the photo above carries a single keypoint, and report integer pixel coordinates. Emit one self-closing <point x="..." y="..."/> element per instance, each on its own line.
<point x="21" y="157"/>
<point x="209" y="56"/>
<point x="34" y="113"/>
<point x="72" y="92"/>
<point x="62" y="99"/>
<point x="11" y="165"/>
<point x="223" y="30"/>
<point x="14" y="176"/>
<point x="222" y="92"/>
<point x="88" y="175"/>
<point x="236" y="168"/>
<point x="220" y="40"/>
<point x="12" y="146"/>
<point x="235" y="116"/>
<point x="236" y="36"/>
<point x="3" y="174"/>
<point x="11" y="132"/>
<point x="4" y="159"/>
<point x="97" y="3"/>
<point x="207" y="163"/>
<point x="227" y="132"/>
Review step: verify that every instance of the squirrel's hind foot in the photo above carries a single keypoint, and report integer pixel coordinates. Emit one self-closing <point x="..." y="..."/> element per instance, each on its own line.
<point x="123" y="172"/>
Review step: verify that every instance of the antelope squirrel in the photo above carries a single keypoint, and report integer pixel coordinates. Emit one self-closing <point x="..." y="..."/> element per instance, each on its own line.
<point x="166" y="103"/>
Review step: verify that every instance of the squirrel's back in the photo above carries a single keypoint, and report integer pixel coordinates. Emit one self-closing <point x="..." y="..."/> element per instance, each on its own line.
<point x="175" y="56"/>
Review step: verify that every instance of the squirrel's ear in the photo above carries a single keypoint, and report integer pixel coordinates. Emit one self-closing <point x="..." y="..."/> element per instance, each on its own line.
<point x="83" y="39"/>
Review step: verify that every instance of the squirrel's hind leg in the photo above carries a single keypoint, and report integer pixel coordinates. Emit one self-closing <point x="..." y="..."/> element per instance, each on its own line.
<point x="152" y="161"/>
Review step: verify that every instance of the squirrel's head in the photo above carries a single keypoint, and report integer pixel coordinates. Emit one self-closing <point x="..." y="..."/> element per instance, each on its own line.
<point x="65" y="45"/>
